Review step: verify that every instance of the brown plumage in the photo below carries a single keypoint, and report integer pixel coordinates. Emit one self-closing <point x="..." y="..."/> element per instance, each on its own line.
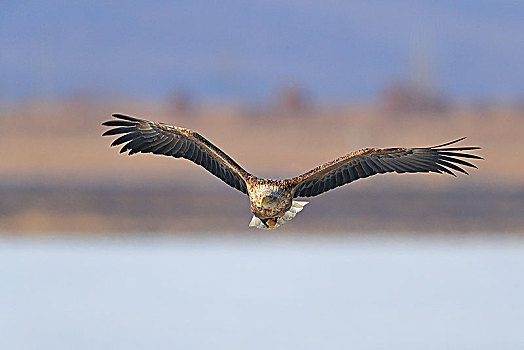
<point x="272" y="200"/>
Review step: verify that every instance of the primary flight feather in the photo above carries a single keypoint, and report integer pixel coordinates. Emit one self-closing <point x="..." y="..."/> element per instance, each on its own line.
<point x="272" y="201"/>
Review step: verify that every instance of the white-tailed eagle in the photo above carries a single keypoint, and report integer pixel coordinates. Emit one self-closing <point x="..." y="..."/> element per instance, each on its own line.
<point x="272" y="201"/>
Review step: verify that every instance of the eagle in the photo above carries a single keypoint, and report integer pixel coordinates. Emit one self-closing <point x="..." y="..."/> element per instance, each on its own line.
<point x="273" y="201"/>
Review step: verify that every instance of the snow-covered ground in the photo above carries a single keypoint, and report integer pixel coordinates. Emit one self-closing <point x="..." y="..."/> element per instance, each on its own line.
<point x="261" y="292"/>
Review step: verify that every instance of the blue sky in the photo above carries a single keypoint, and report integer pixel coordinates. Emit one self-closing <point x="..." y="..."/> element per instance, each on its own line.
<point x="338" y="50"/>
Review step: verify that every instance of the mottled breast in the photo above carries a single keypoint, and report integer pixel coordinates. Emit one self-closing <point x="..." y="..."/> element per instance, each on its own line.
<point x="269" y="198"/>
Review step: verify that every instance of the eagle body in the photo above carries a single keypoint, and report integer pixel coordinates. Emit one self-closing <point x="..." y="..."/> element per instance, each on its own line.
<point x="273" y="202"/>
<point x="270" y="201"/>
<point x="269" y="198"/>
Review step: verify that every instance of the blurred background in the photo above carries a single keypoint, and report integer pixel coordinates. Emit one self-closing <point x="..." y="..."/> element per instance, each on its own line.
<point x="101" y="250"/>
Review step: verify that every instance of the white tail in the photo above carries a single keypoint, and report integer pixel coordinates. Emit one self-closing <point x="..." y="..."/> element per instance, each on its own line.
<point x="296" y="207"/>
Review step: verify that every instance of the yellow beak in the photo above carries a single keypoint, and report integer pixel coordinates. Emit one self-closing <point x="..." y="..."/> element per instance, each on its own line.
<point x="272" y="222"/>
<point x="263" y="201"/>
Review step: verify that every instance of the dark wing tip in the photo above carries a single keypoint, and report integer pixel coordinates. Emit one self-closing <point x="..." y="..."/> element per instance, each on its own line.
<point x="122" y="122"/>
<point x="450" y="157"/>
<point x="450" y="142"/>
<point x="125" y="120"/>
<point x="126" y="117"/>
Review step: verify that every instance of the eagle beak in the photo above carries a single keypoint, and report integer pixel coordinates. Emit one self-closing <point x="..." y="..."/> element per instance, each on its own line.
<point x="271" y="222"/>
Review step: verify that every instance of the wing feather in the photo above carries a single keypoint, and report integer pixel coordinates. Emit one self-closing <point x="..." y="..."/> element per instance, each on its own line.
<point x="458" y="161"/>
<point x="371" y="161"/>
<point x="140" y="135"/>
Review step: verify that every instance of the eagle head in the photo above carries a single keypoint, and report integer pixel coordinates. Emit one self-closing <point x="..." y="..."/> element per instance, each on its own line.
<point x="270" y="200"/>
<point x="272" y="205"/>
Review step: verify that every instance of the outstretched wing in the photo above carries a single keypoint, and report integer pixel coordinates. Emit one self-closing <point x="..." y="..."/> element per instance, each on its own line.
<point x="146" y="136"/>
<point x="371" y="161"/>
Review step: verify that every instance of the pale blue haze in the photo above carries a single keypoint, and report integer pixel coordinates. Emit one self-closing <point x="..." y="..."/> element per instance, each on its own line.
<point x="338" y="50"/>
